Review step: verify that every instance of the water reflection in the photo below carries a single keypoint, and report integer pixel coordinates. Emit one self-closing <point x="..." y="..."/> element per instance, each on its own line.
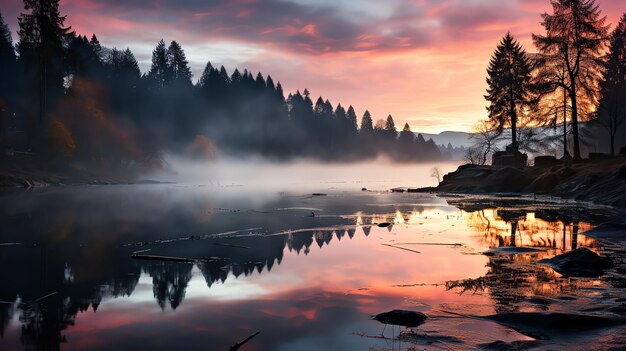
<point x="74" y="256"/>
<point x="537" y="228"/>
<point x="515" y="281"/>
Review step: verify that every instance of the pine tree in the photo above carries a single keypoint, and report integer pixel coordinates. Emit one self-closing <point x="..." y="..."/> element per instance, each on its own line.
<point x="328" y="109"/>
<point x="124" y="67"/>
<point x="7" y="76"/>
<point x="224" y="79"/>
<point x="160" y="72"/>
<point x="204" y="80"/>
<point x="575" y="37"/>
<point x="259" y="82"/>
<point x="366" y="123"/>
<point x="279" y="90"/>
<point x="270" y="83"/>
<point x="319" y="107"/>
<point x="406" y="137"/>
<point x="42" y="39"/>
<point x="130" y="66"/>
<point x="351" y="116"/>
<point x="178" y="65"/>
<point x="509" y="81"/>
<point x="390" y="128"/>
<point x="96" y="46"/>
<point x="612" y="108"/>
<point x="7" y="51"/>
<point x="236" y="77"/>
<point x="340" y="113"/>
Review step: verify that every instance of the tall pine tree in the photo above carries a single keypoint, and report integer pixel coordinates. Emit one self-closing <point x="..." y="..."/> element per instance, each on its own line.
<point x="160" y="72"/>
<point x="509" y="85"/>
<point x="178" y="65"/>
<point x="366" y="123"/>
<point x="351" y="116"/>
<point x="390" y="128"/>
<point x="43" y="37"/>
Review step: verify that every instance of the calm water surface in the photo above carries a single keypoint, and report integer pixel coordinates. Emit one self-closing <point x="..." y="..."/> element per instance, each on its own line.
<point x="307" y="271"/>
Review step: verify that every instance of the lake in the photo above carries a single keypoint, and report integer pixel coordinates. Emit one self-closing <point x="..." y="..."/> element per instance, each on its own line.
<point x="298" y="252"/>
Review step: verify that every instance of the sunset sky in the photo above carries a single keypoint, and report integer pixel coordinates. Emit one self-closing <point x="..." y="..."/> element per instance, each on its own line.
<point x="423" y="61"/>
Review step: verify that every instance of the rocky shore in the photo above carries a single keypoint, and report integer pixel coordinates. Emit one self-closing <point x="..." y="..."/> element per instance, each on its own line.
<point x="602" y="181"/>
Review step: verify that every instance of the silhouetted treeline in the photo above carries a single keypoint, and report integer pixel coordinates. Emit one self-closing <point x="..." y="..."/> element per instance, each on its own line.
<point x="66" y="97"/>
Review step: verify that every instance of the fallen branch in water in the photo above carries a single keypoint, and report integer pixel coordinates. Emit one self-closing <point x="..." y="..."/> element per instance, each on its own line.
<point x="401" y="248"/>
<point x="437" y="244"/>
<point x="162" y="258"/>
<point x="240" y="344"/>
<point x="365" y="335"/>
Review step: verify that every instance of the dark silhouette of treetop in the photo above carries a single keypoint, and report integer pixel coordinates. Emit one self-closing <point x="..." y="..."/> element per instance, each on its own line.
<point x="160" y="72"/>
<point x="43" y="36"/>
<point x="366" y="123"/>
<point x="7" y="51"/>
<point x="509" y="85"/>
<point x="178" y="64"/>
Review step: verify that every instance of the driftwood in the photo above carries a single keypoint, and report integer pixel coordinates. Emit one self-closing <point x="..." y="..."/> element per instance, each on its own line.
<point x="433" y="244"/>
<point x="162" y="258"/>
<point x="401" y="248"/>
<point x="240" y="344"/>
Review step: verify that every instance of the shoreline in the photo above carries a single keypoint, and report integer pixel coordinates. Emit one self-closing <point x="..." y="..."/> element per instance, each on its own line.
<point x="601" y="182"/>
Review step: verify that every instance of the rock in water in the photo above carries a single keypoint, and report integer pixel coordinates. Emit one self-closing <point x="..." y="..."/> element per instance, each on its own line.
<point x="384" y="224"/>
<point x="579" y="263"/>
<point x="403" y="318"/>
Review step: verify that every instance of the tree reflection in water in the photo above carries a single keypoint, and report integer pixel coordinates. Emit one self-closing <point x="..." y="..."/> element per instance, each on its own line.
<point x="513" y="279"/>
<point x="76" y="251"/>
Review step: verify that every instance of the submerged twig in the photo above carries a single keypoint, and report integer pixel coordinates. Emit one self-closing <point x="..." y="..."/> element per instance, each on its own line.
<point x="240" y="344"/>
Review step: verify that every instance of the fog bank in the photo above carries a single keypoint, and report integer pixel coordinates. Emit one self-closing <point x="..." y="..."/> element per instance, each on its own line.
<point x="302" y="174"/>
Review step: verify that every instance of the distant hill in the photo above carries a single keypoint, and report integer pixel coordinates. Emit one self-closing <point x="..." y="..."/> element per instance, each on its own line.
<point x="457" y="139"/>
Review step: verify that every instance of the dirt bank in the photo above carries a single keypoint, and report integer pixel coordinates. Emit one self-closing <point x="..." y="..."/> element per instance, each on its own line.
<point x="603" y="182"/>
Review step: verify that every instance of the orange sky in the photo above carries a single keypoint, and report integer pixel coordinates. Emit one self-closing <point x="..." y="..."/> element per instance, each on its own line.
<point x="423" y="61"/>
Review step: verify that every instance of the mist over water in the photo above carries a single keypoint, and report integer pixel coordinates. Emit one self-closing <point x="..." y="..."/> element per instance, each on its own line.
<point x="310" y="175"/>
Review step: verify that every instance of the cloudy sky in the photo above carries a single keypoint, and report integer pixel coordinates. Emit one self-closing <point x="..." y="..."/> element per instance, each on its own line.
<point x="423" y="61"/>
